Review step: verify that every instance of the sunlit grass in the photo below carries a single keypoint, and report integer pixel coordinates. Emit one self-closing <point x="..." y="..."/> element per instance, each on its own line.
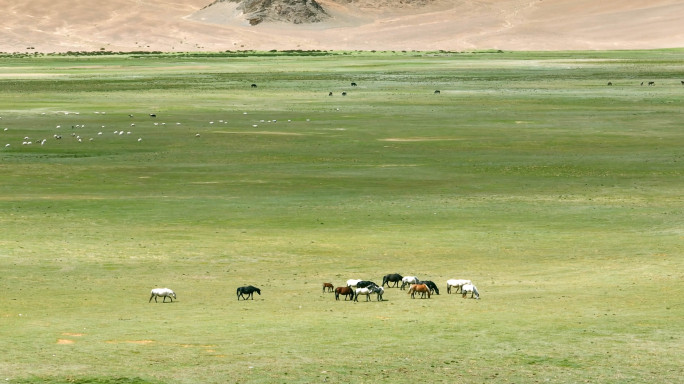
<point x="559" y="196"/>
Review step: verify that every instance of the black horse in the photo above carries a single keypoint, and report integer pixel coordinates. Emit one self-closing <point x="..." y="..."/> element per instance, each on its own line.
<point x="392" y="278"/>
<point x="432" y="286"/>
<point x="365" y="284"/>
<point x="249" y="291"/>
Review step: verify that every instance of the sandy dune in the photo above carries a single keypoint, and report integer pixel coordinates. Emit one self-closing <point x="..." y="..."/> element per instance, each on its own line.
<point x="183" y="25"/>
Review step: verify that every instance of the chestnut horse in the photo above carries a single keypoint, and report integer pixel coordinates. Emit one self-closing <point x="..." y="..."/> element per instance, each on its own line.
<point x="422" y="288"/>
<point x="329" y="286"/>
<point x="346" y="291"/>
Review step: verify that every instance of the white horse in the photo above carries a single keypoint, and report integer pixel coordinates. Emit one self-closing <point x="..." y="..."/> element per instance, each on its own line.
<point x="364" y="291"/>
<point x="470" y="288"/>
<point x="351" y="283"/>
<point x="456" y="283"/>
<point x="408" y="280"/>
<point x="162" y="292"/>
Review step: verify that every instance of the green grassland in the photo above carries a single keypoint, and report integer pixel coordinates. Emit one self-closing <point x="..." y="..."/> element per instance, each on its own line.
<point x="558" y="195"/>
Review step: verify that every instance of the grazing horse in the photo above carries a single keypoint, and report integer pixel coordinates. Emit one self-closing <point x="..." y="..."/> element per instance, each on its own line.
<point x="682" y="82"/>
<point x="249" y="291"/>
<point x="363" y="291"/>
<point x="254" y="85"/>
<point x="344" y="93"/>
<point x="422" y="288"/>
<point x="379" y="291"/>
<point x="651" y="83"/>
<point x="408" y="280"/>
<point x="329" y="286"/>
<point x="392" y="278"/>
<point x="432" y="286"/>
<point x="472" y="289"/>
<point x="353" y="84"/>
<point x="153" y="115"/>
<point x="365" y="284"/>
<point x="456" y="283"/>
<point x="346" y="291"/>
<point x="369" y="291"/>
<point x="329" y="93"/>
<point x="437" y="92"/>
<point x="162" y="292"/>
<point x="610" y="83"/>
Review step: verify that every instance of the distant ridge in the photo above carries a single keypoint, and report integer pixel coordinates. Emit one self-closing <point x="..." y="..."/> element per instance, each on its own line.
<point x="456" y="25"/>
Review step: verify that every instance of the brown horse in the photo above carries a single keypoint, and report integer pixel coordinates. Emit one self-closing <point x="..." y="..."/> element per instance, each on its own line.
<point x="422" y="288"/>
<point x="346" y="291"/>
<point x="329" y="286"/>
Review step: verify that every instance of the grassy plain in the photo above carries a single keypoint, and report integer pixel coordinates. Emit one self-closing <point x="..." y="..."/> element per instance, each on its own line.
<point x="559" y="196"/>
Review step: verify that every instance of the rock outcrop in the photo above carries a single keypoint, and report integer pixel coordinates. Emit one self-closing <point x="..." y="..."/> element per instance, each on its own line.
<point x="290" y="11"/>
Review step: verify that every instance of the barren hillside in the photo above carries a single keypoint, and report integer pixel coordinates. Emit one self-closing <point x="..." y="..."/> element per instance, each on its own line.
<point x="190" y="25"/>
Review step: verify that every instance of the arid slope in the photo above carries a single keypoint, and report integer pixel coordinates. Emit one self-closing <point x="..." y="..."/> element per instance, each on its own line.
<point x="191" y="25"/>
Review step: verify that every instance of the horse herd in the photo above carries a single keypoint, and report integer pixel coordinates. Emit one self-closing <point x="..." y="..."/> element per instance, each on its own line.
<point x="358" y="287"/>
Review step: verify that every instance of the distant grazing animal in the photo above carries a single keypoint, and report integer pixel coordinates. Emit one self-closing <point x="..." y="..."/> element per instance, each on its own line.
<point x="437" y="92"/>
<point x="162" y="292"/>
<point x="344" y="93"/>
<point x="353" y="84"/>
<point x="329" y="286"/>
<point x="456" y="283"/>
<point x="651" y="83"/>
<point x="421" y="288"/>
<point x="408" y="280"/>
<point x="432" y="286"/>
<point x="392" y="278"/>
<point x="346" y="291"/>
<point x="610" y="83"/>
<point x="249" y="291"/>
<point x="254" y="85"/>
<point x="329" y="93"/>
<point x="153" y="115"/>
<point x="682" y="82"/>
<point x="470" y="288"/>
<point x="642" y="83"/>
